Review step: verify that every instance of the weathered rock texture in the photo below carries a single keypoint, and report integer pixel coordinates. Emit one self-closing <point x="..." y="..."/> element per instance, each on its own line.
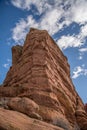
<point x="39" y="85"/>
<point x="86" y="107"/>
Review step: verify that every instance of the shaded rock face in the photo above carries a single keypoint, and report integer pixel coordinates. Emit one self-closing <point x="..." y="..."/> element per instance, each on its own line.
<point x="86" y="107"/>
<point x="39" y="85"/>
<point x="16" y="54"/>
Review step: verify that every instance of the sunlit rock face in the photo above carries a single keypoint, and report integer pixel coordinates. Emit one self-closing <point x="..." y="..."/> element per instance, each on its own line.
<point x="38" y="88"/>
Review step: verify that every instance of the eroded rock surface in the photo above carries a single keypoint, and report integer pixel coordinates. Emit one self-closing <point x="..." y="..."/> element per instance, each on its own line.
<point x="39" y="85"/>
<point x="86" y="107"/>
<point x="12" y="120"/>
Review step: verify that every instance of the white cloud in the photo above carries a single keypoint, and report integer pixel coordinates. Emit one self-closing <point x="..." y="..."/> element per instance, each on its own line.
<point x="9" y="60"/>
<point x="79" y="11"/>
<point x="78" y="71"/>
<point x="83" y="32"/>
<point x="83" y="49"/>
<point x="80" y="56"/>
<point x="50" y="21"/>
<point x="81" y="52"/>
<point x="69" y="41"/>
<point x="75" y="13"/>
<point x="41" y="5"/>
<point x="75" y="10"/>
<point x="53" y="11"/>
<point x="22" y="4"/>
<point x="7" y="64"/>
<point x="21" y="28"/>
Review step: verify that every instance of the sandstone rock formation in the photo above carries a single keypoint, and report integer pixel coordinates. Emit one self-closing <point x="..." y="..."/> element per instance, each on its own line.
<point x="12" y="120"/>
<point x="38" y="84"/>
<point x="86" y="107"/>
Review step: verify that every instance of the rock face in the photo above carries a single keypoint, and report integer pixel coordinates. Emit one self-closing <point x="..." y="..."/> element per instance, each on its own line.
<point x="39" y="85"/>
<point x="18" y="121"/>
<point x="86" y="107"/>
<point x="16" y="54"/>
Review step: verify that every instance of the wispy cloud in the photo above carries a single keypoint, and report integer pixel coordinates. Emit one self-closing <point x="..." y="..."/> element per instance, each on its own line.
<point x="50" y="21"/>
<point x="21" y="28"/>
<point x="41" y="6"/>
<point x="75" y="10"/>
<point x="7" y="64"/>
<point x="80" y="56"/>
<point x="78" y="11"/>
<point x="81" y="52"/>
<point x="83" y="31"/>
<point x="19" y="4"/>
<point x="78" y="71"/>
<point x="56" y="15"/>
<point x="83" y="49"/>
<point x="69" y="41"/>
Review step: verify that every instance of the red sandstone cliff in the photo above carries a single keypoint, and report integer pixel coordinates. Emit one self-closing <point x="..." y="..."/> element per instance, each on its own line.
<point x="38" y="91"/>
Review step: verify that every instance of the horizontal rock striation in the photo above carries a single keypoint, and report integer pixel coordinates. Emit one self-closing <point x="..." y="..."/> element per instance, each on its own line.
<point x="39" y="85"/>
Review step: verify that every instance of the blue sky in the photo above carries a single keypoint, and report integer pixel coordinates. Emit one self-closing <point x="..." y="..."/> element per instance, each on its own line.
<point x="65" y="21"/>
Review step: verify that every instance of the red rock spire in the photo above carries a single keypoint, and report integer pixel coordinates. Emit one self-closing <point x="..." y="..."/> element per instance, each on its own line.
<point x="39" y="85"/>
